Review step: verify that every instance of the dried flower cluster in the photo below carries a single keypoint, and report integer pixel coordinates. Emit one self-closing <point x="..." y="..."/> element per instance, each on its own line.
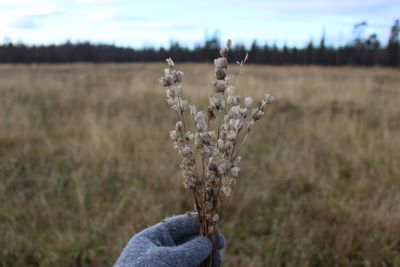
<point x="210" y="160"/>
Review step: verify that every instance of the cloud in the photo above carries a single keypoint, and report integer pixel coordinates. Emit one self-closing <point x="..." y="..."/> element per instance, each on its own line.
<point x="100" y="1"/>
<point x="16" y="2"/>
<point x="131" y="18"/>
<point x="99" y="13"/>
<point x="28" y="18"/>
<point x="324" y="6"/>
<point x="155" y="25"/>
<point x="109" y="14"/>
<point x="147" y="21"/>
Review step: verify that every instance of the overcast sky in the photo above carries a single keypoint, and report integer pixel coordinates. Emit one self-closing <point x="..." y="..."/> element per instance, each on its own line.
<point x="157" y="23"/>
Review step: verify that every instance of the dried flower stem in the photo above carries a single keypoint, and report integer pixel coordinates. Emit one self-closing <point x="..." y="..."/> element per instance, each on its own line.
<point x="217" y="150"/>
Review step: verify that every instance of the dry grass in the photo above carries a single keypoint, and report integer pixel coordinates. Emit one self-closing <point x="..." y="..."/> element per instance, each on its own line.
<point x="86" y="162"/>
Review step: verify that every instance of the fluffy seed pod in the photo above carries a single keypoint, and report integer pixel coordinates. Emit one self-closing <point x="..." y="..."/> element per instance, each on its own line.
<point x="174" y="135"/>
<point x="224" y="52"/>
<point x="179" y="126"/>
<point x="250" y="126"/>
<point x="248" y="101"/>
<point x="257" y="114"/>
<point x="220" y="63"/>
<point x="170" y="62"/>
<point x="178" y="76"/>
<point x="167" y="80"/>
<point x="229" y="43"/>
<point x="219" y="86"/>
<point x="220" y="74"/>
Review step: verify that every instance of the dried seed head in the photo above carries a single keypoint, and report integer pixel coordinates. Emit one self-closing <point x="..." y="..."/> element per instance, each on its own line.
<point x="267" y="100"/>
<point x="201" y="124"/>
<point x="206" y="151"/>
<point x="235" y="171"/>
<point x="226" y="189"/>
<point x="232" y="135"/>
<point x="248" y="101"/>
<point x="220" y="63"/>
<point x="212" y="166"/>
<point x="199" y="116"/>
<point x="178" y="76"/>
<point x="250" y="125"/>
<point x="198" y="142"/>
<point x="257" y="114"/>
<point x="217" y="103"/>
<point x="219" y="86"/>
<point x="167" y="80"/>
<point x="193" y="110"/>
<point x="224" y="52"/>
<point x="220" y="144"/>
<point x="215" y="218"/>
<point x="207" y="137"/>
<point x="189" y="136"/>
<point x="236" y="100"/>
<point x="184" y="105"/>
<point x="179" y="126"/>
<point x="212" y="102"/>
<point x="234" y="112"/>
<point x="210" y="113"/>
<point x="229" y="43"/>
<point x="170" y="62"/>
<point x="220" y="74"/>
<point x="246" y="57"/>
<point x="237" y="161"/>
<point x="174" y="135"/>
<point x="185" y="151"/>
<point x="231" y="90"/>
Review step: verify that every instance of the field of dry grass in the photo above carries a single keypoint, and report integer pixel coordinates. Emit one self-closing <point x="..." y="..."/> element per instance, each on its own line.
<point x="86" y="162"/>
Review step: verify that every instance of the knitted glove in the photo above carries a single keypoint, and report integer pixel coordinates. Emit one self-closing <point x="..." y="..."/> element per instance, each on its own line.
<point x="174" y="242"/>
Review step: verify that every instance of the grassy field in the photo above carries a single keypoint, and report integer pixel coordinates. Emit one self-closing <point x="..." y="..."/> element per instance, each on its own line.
<point x="86" y="162"/>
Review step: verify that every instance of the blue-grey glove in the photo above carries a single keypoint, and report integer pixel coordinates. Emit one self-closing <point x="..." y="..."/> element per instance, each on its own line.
<point x="174" y="242"/>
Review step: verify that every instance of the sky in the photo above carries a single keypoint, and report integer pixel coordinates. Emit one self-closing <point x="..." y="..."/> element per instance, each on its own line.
<point x="138" y="23"/>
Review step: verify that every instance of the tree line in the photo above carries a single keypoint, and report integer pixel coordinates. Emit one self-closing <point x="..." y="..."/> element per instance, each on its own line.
<point x="363" y="51"/>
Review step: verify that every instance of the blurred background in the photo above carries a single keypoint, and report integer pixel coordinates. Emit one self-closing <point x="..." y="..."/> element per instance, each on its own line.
<point x="85" y="155"/>
<point x="276" y="32"/>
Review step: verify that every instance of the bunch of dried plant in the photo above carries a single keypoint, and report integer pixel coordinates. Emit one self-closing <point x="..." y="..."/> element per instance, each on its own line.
<point x="210" y="148"/>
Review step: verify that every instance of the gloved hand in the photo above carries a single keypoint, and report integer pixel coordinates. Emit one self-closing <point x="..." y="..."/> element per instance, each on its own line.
<point x="174" y="242"/>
